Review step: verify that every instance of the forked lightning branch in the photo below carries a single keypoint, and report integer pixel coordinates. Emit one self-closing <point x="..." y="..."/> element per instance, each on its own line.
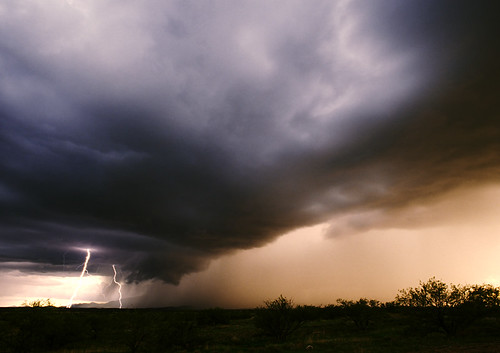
<point x="80" y="280"/>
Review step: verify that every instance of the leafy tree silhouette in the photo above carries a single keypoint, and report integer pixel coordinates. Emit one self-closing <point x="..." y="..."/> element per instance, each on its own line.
<point x="361" y="312"/>
<point x="279" y="318"/>
<point x="450" y="307"/>
<point x="38" y="303"/>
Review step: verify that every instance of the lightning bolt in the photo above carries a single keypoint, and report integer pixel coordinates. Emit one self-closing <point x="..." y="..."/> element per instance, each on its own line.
<point x="119" y="286"/>
<point x="84" y="270"/>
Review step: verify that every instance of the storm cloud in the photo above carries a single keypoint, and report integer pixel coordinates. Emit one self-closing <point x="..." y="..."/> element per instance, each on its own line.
<point x="165" y="134"/>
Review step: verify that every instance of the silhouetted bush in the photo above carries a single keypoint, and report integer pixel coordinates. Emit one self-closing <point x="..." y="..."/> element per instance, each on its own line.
<point x="362" y="312"/>
<point x="332" y="311"/>
<point x="38" y="303"/>
<point x="450" y="308"/>
<point x="279" y="318"/>
<point x="311" y="312"/>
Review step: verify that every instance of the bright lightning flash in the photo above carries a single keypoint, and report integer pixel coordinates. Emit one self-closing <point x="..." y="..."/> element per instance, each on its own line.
<point x="84" y="270"/>
<point x="119" y="286"/>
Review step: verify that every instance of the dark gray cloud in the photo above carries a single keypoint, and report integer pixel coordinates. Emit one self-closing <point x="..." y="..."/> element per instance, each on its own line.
<point x="162" y="135"/>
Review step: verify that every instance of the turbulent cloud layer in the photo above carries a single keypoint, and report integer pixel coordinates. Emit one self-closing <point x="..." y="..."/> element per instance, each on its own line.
<point x="163" y="134"/>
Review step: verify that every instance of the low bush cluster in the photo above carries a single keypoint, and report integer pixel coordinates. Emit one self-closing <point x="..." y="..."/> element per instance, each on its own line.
<point x="432" y="309"/>
<point x="279" y="318"/>
<point x="450" y="308"/>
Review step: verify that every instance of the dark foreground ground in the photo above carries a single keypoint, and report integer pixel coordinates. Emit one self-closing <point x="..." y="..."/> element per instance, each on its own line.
<point x="218" y="330"/>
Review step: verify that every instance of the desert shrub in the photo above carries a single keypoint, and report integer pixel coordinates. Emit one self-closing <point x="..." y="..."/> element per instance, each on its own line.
<point x="362" y="312"/>
<point x="332" y="311"/>
<point x="38" y="303"/>
<point x="279" y="318"/>
<point x="450" y="308"/>
<point x="311" y="312"/>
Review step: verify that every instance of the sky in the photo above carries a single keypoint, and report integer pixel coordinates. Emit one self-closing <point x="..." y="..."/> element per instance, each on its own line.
<point x="221" y="153"/>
